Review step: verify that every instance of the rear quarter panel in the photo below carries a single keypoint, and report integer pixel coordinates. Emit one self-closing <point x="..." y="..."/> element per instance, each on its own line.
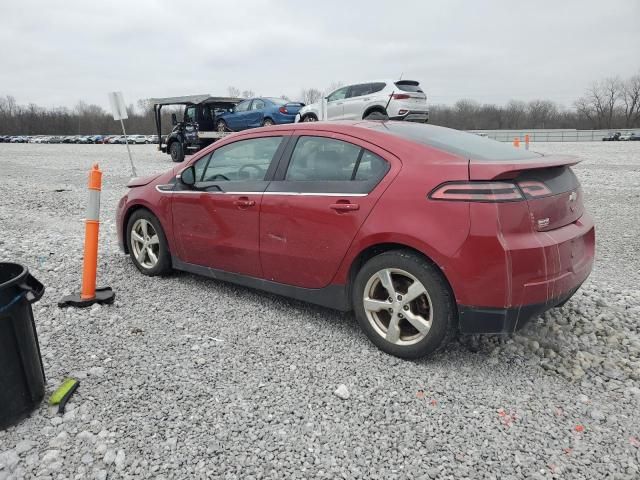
<point x="404" y="215"/>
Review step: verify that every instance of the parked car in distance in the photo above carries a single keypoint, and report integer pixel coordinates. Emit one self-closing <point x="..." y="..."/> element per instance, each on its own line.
<point x="138" y="139"/>
<point x="311" y="211"/>
<point x="612" y="137"/>
<point x="626" y="136"/>
<point x="396" y="100"/>
<point x="635" y="136"/>
<point x="257" y="112"/>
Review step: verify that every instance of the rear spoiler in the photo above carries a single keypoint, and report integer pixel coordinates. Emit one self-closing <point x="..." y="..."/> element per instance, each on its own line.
<point x="497" y="170"/>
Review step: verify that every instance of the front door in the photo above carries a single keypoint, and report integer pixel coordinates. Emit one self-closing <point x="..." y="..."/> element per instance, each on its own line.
<point x="239" y="119"/>
<point x="335" y="104"/>
<point x="314" y="207"/>
<point x="216" y="223"/>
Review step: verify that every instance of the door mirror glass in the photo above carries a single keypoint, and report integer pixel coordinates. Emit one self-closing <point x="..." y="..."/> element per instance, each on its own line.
<point x="188" y="176"/>
<point x="174" y="119"/>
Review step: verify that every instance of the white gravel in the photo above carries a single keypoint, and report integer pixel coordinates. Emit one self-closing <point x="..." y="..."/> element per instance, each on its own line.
<point x="185" y="377"/>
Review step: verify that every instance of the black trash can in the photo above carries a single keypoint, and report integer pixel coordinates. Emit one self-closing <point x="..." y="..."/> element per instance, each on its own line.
<point x="21" y="373"/>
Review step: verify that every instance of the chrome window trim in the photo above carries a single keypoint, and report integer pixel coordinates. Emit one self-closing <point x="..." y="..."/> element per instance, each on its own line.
<point x="302" y="194"/>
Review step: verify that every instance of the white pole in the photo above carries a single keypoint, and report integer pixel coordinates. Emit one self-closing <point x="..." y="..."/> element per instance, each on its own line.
<point x="126" y="141"/>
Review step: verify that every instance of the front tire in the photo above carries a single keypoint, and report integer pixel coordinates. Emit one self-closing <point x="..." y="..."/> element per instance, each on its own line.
<point x="221" y="126"/>
<point x="176" y="151"/>
<point x="147" y="244"/>
<point x="404" y="305"/>
<point x="310" y="118"/>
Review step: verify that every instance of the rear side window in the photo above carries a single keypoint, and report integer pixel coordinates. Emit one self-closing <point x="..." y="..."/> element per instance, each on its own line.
<point x="319" y="159"/>
<point x="456" y="142"/>
<point x="409" y="86"/>
<point x="376" y="87"/>
<point x="359" y="90"/>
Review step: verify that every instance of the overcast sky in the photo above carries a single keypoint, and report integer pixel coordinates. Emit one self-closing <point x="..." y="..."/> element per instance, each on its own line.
<point x="57" y="53"/>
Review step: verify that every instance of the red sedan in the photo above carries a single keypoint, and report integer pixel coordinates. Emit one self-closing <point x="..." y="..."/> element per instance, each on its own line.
<point x="423" y="231"/>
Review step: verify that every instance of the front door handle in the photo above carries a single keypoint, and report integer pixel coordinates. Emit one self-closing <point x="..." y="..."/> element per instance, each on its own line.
<point x="244" y="202"/>
<point x="344" y="207"/>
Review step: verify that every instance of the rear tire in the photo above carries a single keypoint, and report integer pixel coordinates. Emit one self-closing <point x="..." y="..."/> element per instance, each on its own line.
<point x="147" y="244"/>
<point x="267" y="122"/>
<point x="376" y="115"/>
<point x="417" y="317"/>
<point x="310" y="117"/>
<point x="176" y="151"/>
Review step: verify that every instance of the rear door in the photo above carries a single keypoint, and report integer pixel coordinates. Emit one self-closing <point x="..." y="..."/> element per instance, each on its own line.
<point x="355" y="100"/>
<point x="324" y="189"/>
<point x="216" y="223"/>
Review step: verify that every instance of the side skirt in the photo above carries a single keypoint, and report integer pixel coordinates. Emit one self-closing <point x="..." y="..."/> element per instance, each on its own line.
<point x="332" y="296"/>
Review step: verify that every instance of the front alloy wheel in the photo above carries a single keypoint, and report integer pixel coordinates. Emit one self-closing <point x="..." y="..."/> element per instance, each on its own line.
<point x="145" y="243"/>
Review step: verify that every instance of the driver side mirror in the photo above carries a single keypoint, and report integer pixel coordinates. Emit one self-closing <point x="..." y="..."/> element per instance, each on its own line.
<point x="188" y="176"/>
<point x="174" y="119"/>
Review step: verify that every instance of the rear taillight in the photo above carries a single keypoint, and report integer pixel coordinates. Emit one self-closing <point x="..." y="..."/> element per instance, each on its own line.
<point x="400" y="96"/>
<point x="283" y="110"/>
<point x="534" y="189"/>
<point x="477" y="192"/>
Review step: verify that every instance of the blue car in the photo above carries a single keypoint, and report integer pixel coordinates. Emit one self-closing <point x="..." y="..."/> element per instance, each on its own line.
<point x="257" y="112"/>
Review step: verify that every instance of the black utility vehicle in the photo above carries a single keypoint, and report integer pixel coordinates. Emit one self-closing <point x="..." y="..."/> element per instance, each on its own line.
<point x="196" y="129"/>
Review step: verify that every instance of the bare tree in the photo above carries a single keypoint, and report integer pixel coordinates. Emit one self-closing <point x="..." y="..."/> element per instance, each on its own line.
<point x="515" y="113"/>
<point x="310" y="95"/>
<point x="234" y="92"/>
<point x="631" y="100"/>
<point x="284" y="97"/>
<point x="248" y="94"/>
<point x="541" y="112"/>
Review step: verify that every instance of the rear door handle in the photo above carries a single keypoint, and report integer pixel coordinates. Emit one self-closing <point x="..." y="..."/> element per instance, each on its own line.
<point x="345" y="207"/>
<point x="244" y="202"/>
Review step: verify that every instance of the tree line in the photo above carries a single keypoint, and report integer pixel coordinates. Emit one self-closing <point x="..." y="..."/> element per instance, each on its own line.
<point x="611" y="103"/>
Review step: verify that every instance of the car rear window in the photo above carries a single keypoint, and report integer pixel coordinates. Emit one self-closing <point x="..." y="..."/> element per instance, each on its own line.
<point x="465" y="144"/>
<point x="409" y="86"/>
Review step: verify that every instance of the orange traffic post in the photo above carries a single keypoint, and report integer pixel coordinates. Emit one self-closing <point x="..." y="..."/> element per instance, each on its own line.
<point x="89" y="294"/>
<point x="526" y="141"/>
<point x="516" y="142"/>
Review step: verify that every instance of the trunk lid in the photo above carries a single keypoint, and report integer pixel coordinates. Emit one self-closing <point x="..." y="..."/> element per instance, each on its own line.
<point x="550" y="187"/>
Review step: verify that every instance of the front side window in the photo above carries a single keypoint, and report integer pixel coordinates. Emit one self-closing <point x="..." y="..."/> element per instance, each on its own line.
<point x="190" y="114"/>
<point x="320" y="159"/>
<point x="245" y="160"/>
<point x="338" y="95"/>
<point x="243" y="106"/>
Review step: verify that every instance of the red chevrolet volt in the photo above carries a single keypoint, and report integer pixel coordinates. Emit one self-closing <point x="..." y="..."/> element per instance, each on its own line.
<point x="422" y="231"/>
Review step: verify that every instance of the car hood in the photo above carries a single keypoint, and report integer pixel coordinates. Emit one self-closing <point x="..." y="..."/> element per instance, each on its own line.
<point x="142" y="181"/>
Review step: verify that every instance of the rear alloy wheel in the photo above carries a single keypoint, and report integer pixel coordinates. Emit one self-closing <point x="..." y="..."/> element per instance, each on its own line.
<point x="309" y="118"/>
<point x="147" y="244"/>
<point x="403" y="304"/>
<point x="267" y="122"/>
<point x="176" y="151"/>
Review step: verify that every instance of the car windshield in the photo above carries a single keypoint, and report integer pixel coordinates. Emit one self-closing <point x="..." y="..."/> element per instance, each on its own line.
<point x="457" y="142"/>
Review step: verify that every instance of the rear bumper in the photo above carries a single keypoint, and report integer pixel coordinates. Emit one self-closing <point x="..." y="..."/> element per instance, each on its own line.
<point x="420" y="116"/>
<point x="504" y="320"/>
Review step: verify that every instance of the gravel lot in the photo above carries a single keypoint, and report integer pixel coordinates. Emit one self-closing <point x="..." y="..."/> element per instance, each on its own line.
<point x="185" y="377"/>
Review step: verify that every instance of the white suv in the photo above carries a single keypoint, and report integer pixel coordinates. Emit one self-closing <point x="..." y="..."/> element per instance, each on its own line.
<point x="398" y="100"/>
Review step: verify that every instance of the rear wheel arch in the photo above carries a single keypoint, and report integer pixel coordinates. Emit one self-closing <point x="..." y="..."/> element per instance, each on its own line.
<point x="374" y="250"/>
